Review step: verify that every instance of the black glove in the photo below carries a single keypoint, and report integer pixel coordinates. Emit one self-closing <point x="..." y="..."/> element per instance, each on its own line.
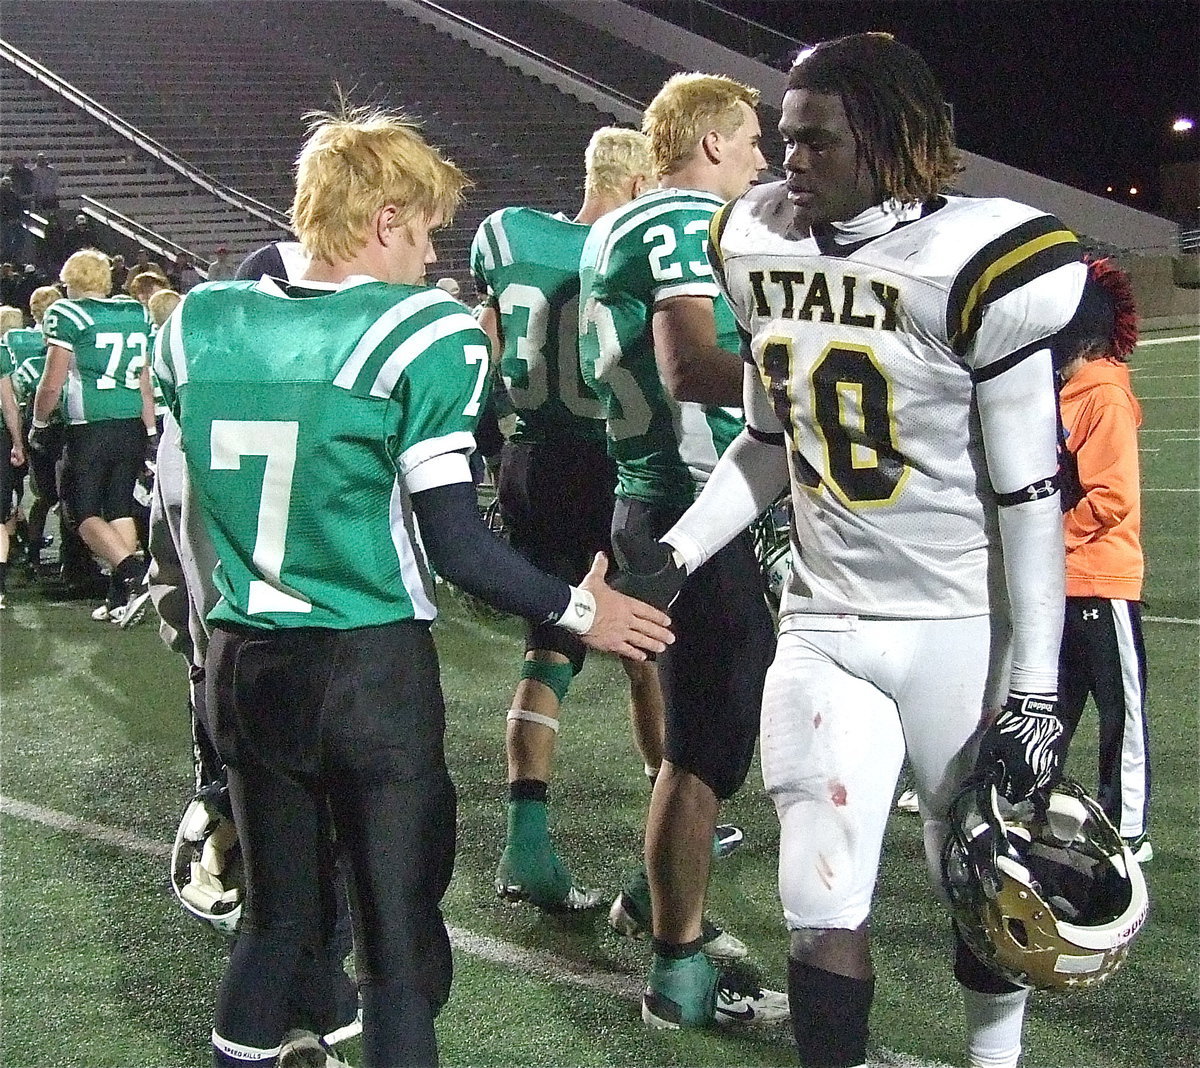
<point x="150" y="455"/>
<point x="647" y="570"/>
<point x="37" y="438"/>
<point x="1022" y="752"/>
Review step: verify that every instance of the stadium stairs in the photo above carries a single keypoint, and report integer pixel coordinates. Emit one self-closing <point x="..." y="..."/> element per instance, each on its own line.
<point x="224" y="85"/>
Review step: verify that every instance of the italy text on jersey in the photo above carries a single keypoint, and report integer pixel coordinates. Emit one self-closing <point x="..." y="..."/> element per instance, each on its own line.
<point x="870" y="355"/>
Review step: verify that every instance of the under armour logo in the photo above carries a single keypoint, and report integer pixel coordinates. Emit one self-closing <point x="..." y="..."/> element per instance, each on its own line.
<point x="1091" y="613"/>
<point x="1038" y="490"/>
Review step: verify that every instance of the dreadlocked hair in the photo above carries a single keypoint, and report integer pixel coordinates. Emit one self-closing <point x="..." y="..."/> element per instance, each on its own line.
<point x="1116" y="285"/>
<point x="895" y="108"/>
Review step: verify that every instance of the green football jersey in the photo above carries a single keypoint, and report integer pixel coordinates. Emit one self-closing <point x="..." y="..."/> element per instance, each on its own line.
<point x="526" y="264"/>
<point x="306" y="414"/>
<point x="652" y="249"/>
<point x="109" y="339"/>
<point x="26" y="350"/>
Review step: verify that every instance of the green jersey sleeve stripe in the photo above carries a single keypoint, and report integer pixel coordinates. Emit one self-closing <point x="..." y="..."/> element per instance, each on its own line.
<point x="504" y="252"/>
<point x="416" y="343"/>
<point x="694" y="288"/>
<point x="75" y="313"/>
<point x="414" y="456"/>
<point x="381" y="328"/>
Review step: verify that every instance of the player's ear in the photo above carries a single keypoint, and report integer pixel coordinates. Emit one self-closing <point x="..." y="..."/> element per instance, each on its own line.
<point x="710" y="145"/>
<point x="386" y="225"/>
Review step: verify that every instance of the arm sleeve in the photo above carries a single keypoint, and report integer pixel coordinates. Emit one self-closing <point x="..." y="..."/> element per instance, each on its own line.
<point x="1019" y="421"/>
<point x="469" y="555"/>
<point x="750" y="475"/>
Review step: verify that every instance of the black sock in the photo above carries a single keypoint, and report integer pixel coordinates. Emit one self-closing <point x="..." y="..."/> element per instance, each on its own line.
<point x="677" y="950"/>
<point x="131" y="569"/>
<point x="829" y="1016"/>
<point x="528" y="790"/>
<point x="3" y="575"/>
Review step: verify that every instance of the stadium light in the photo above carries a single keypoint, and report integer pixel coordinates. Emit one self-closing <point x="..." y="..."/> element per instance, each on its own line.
<point x="1182" y="124"/>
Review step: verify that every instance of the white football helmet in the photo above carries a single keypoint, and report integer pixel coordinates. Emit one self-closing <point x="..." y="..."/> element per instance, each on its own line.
<point x="206" y="862"/>
<point x="772" y="545"/>
<point x="1051" y="902"/>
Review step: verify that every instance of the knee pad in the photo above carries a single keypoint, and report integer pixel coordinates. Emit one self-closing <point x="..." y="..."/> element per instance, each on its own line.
<point x="557" y="677"/>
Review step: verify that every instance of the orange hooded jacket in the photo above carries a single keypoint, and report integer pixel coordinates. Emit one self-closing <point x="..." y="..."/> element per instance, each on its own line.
<point x="1103" y="531"/>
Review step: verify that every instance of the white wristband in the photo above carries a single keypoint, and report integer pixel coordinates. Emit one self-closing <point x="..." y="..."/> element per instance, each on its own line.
<point x="580" y="612"/>
<point x="38" y="424"/>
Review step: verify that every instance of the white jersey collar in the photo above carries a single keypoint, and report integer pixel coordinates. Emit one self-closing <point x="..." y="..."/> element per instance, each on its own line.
<point x="874" y="222"/>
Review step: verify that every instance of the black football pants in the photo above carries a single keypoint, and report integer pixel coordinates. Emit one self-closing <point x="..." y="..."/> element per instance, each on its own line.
<point x="336" y="731"/>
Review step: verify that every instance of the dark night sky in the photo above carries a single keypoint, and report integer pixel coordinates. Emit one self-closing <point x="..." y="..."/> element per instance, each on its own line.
<point x="1082" y="91"/>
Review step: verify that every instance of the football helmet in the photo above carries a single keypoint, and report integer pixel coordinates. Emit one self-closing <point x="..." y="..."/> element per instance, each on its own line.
<point x="1049" y="900"/>
<point x="771" y="533"/>
<point x="206" y="861"/>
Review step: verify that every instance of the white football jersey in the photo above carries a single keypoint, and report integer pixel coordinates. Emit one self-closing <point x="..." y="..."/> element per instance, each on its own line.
<point x="870" y="351"/>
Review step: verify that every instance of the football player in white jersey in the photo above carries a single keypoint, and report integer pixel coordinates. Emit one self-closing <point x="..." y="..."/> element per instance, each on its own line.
<point x="898" y="375"/>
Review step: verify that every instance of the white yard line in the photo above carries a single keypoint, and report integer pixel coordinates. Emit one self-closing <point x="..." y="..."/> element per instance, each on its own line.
<point x="1168" y="340"/>
<point x="494" y="950"/>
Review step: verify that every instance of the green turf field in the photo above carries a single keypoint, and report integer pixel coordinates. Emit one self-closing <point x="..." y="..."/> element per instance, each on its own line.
<point x="101" y="968"/>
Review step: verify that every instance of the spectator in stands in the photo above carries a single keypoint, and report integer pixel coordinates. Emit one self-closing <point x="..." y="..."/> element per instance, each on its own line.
<point x="82" y="233"/>
<point x="45" y="185"/>
<point x="22" y="180"/>
<point x="144" y="263"/>
<point x="223" y="266"/>
<point x="12" y="221"/>
<point x="120" y="273"/>
<point x="10" y="282"/>
<point x="54" y="245"/>
<point x="186" y="274"/>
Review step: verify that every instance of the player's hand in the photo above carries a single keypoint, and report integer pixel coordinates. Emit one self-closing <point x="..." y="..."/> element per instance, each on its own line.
<point x="647" y="569"/>
<point x="16" y="456"/>
<point x="1022" y="751"/>
<point x="36" y="438"/>
<point x="150" y="455"/>
<point x="623" y="625"/>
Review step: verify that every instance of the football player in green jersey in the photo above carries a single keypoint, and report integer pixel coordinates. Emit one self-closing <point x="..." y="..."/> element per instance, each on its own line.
<point x="12" y="444"/>
<point x="27" y="346"/>
<point x="555" y="486"/>
<point x="97" y="350"/>
<point x="327" y="424"/>
<point x="659" y="344"/>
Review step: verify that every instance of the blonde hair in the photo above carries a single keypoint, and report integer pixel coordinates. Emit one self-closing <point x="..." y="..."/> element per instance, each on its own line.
<point x="10" y="319"/>
<point x="613" y="156"/>
<point x="87" y="271"/>
<point x="355" y="163"/>
<point x="40" y="299"/>
<point x="143" y="284"/>
<point x="161" y="305"/>
<point x="686" y="108"/>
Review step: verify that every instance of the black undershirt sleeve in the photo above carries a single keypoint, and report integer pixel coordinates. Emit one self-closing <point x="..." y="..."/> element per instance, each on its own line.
<point x="466" y="553"/>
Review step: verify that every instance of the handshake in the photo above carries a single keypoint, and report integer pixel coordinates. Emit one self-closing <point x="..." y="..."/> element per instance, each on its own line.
<point x="647" y="570"/>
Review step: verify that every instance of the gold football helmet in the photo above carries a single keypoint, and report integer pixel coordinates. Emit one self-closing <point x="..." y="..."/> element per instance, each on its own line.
<point x="1048" y="900"/>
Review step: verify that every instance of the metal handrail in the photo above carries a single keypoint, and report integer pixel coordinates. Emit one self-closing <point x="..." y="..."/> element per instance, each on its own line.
<point x="530" y="53"/>
<point x="149" y="239"/>
<point x="144" y="141"/>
